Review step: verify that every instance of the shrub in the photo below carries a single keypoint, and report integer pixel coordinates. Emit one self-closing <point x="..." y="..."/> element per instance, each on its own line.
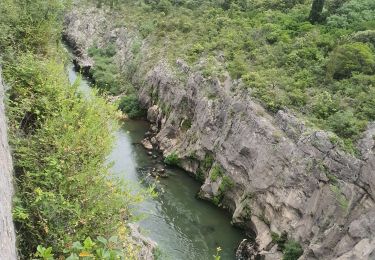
<point x="292" y="250"/>
<point x="350" y="58"/>
<point x="172" y="159"/>
<point x="226" y="184"/>
<point x="130" y="105"/>
<point x="105" y="73"/>
<point x="238" y="66"/>
<point x="280" y="240"/>
<point x="216" y="172"/>
<point x="324" y="105"/>
<point x="63" y="189"/>
<point x="100" y="248"/>
<point x="207" y="162"/>
<point x="164" y="6"/>
<point x="345" y="124"/>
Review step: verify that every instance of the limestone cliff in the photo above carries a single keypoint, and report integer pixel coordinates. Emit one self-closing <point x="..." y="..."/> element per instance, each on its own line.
<point x="272" y="171"/>
<point x="7" y="236"/>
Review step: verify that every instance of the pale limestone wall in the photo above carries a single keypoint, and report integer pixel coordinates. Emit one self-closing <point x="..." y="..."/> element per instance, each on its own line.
<point x="7" y="235"/>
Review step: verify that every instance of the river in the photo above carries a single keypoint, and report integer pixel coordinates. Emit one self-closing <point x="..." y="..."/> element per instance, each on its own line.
<point x="183" y="226"/>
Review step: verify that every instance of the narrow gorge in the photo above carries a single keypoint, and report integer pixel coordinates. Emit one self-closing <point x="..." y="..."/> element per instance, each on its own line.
<point x="187" y="129"/>
<point x="273" y="172"/>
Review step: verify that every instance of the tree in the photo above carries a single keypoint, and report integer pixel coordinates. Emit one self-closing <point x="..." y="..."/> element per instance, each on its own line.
<point x="348" y="58"/>
<point x="316" y="11"/>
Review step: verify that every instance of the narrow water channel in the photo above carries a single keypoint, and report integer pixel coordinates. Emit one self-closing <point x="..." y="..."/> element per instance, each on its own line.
<point x="184" y="227"/>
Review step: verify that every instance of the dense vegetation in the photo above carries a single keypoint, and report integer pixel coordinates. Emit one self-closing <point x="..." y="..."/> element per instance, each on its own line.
<point x="318" y="60"/>
<point x="60" y="142"/>
<point x="108" y="78"/>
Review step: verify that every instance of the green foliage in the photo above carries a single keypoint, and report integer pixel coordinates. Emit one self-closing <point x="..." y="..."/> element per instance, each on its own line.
<point x="44" y="253"/>
<point x="130" y="105"/>
<point x="105" y="73"/>
<point x="283" y="60"/>
<point x="186" y="124"/>
<point x="316" y="11"/>
<point x="207" y="162"/>
<point x="280" y="240"/>
<point x="172" y="159"/>
<point x="158" y="254"/>
<point x="200" y="176"/>
<point x="292" y="250"/>
<point x="238" y="66"/>
<point x="345" y="124"/>
<point x="354" y="14"/>
<point x="61" y="142"/>
<point x="351" y="58"/>
<point x="164" y="6"/>
<point x="216" y="172"/>
<point x="101" y="248"/>
<point x="340" y="197"/>
<point x="226" y="184"/>
<point x="217" y="256"/>
<point x="217" y="199"/>
<point x="30" y="25"/>
<point x="324" y="105"/>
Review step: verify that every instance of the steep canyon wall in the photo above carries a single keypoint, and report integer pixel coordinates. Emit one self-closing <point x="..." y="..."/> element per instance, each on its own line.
<point x="276" y="173"/>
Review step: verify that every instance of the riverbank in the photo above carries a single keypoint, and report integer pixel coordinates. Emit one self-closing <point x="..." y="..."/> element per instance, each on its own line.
<point x="183" y="226"/>
<point x="65" y="204"/>
<point x="271" y="171"/>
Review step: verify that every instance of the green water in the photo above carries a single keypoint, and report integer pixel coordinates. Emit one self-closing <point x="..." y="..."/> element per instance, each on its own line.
<point x="184" y="227"/>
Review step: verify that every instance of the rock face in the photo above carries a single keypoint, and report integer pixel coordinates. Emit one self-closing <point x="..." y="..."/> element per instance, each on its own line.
<point x="7" y="235"/>
<point x="146" y="245"/>
<point x="276" y="173"/>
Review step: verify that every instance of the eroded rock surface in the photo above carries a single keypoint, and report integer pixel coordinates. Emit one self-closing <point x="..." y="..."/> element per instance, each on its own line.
<point x="275" y="170"/>
<point x="146" y="245"/>
<point x="7" y="235"/>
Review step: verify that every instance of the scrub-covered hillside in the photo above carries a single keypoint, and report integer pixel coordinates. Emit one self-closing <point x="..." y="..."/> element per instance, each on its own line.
<point x="316" y="59"/>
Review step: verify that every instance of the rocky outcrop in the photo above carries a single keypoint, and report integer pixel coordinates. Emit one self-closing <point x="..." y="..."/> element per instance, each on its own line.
<point x="271" y="170"/>
<point x="7" y="235"/>
<point x="146" y="246"/>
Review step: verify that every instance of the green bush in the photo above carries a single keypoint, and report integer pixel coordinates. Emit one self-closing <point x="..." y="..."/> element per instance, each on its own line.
<point x="324" y="105"/>
<point x="216" y="172"/>
<point x="345" y="124"/>
<point x="292" y="250"/>
<point x="172" y="159"/>
<point x="101" y="248"/>
<point x="280" y="240"/>
<point x="105" y="73"/>
<point x="351" y="58"/>
<point x="61" y="142"/>
<point x="226" y="184"/>
<point x="130" y="105"/>
<point x="164" y="6"/>
<point x="207" y="162"/>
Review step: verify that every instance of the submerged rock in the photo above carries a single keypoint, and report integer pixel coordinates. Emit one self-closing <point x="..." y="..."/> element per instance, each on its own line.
<point x="147" y="144"/>
<point x="158" y="173"/>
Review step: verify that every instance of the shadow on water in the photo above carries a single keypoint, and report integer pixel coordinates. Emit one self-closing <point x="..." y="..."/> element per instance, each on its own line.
<point x="183" y="226"/>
